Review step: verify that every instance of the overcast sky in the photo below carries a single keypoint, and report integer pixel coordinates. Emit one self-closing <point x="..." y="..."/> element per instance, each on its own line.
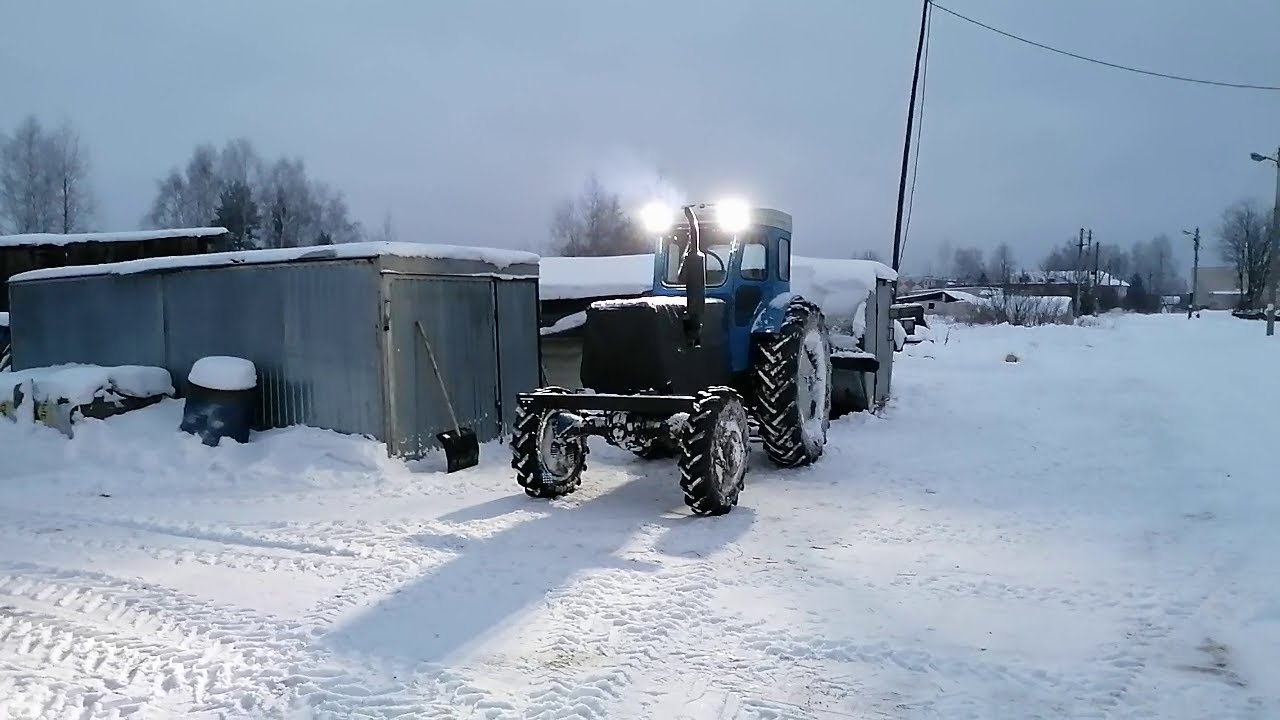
<point x="467" y="120"/>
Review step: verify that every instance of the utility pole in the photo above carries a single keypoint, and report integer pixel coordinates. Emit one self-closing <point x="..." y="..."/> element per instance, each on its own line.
<point x="1273" y="244"/>
<point x="1096" y="274"/>
<point x="1195" y="272"/>
<point x="906" y="146"/>
<point x="1080" y="245"/>
<point x="1275" y="249"/>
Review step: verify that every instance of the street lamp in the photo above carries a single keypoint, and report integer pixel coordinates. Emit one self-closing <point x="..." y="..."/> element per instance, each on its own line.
<point x="1195" y="271"/>
<point x="1275" y="242"/>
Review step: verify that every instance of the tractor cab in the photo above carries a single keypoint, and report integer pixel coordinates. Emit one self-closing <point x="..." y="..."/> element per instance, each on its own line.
<point x="747" y="264"/>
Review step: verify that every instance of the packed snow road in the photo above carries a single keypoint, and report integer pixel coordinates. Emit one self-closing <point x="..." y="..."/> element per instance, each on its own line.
<point x="1086" y="533"/>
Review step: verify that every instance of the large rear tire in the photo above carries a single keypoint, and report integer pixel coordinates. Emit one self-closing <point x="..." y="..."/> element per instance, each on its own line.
<point x="546" y="467"/>
<point x="714" y="451"/>
<point x="791" y="374"/>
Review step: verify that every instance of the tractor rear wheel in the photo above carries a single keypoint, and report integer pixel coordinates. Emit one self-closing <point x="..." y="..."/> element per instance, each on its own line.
<point x="714" y="450"/>
<point x="547" y="466"/>
<point x="791" y="374"/>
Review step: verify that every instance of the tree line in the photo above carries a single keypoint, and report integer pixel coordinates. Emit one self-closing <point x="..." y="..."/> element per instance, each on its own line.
<point x="44" y="180"/>
<point x="264" y="203"/>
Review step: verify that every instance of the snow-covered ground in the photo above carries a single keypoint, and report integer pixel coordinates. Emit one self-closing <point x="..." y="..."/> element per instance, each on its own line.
<point x="1089" y="532"/>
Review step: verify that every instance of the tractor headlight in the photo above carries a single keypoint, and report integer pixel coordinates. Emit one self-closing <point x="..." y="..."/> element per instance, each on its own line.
<point x="657" y="217"/>
<point x="733" y="215"/>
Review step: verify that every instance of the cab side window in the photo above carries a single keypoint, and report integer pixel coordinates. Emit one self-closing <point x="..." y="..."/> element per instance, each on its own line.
<point x="784" y="258"/>
<point x="755" y="260"/>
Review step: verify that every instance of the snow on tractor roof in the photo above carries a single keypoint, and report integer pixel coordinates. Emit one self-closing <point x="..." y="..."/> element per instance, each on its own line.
<point x="499" y="259"/>
<point x="37" y="239"/>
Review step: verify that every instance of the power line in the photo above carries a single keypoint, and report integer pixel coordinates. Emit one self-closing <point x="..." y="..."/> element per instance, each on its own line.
<point x="915" y="166"/>
<point x="1152" y="73"/>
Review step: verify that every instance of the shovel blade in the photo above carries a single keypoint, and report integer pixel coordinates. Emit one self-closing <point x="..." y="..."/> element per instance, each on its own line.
<point x="461" y="449"/>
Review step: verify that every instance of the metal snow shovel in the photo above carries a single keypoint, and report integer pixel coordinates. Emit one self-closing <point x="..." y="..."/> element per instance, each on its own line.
<point x="461" y="448"/>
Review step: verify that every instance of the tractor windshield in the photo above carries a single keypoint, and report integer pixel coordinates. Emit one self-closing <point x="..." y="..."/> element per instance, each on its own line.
<point x="717" y="246"/>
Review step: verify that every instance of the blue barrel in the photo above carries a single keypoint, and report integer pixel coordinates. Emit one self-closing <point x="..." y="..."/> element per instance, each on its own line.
<point x="221" y="395"/>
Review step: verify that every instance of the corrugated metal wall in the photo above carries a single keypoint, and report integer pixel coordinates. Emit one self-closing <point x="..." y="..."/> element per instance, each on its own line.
<point x="457" y="316"/>
<point x="312" y="330"/>
<point x="103" y="319"/>
<point x="315" y="332"/>
<point x="518" y="344"/>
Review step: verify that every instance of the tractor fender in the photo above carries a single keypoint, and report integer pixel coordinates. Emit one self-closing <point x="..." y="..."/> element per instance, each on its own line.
<point x="770" y="315"/>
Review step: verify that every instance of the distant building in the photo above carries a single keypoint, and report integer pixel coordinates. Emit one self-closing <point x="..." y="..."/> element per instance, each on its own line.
<point x="20" y="253"/>
<point x="942" y="302"/>
<point x="1062" y="283"/>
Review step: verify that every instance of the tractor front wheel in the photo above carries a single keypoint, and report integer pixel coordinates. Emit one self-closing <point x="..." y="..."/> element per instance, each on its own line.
<point x="714" y="449"/>
<point x="548" y="462"/>
<point x="791" y="371"/>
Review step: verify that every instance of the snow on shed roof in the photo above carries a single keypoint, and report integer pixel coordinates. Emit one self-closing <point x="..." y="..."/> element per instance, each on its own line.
<point x="133" y="236"/>
<point x="500" y="259"/>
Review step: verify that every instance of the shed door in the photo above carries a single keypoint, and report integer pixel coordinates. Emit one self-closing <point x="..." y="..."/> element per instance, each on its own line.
<point x="518" y="343"/>
<point x="457" y="317"/>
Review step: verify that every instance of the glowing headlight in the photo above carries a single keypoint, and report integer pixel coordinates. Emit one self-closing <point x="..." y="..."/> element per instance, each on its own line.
<point x="657" y="217"/>
<point x="733" y="215"/>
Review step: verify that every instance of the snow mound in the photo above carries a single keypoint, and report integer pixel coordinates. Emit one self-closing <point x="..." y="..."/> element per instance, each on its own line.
<point x="564" y="324"/>
<point x="500" y="259"/>
<point x="131" y="236"/>
<point x="223" y="372"/>
<point x="571" y="278"/>
<point x="81" y="384"/>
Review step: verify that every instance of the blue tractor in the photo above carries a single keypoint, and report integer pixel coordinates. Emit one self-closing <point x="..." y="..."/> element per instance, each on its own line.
<point x="720" y="352"/>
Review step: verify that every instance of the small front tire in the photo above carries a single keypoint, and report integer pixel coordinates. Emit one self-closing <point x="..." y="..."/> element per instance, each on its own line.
<point x="546" y="466"/>
<point x="714" y="450"/>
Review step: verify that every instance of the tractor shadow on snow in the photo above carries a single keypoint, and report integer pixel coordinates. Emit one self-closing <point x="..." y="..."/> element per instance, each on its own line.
<point x="493" y="583"/>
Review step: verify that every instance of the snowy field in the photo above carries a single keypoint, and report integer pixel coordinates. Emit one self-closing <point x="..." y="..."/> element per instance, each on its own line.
<point x="1090" y="532"/>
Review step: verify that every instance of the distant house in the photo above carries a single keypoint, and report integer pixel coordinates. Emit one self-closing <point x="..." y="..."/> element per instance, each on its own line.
<point x="1063" y="283"/>
<point x="1218" y="288"/>
<point x="942" y="302"/>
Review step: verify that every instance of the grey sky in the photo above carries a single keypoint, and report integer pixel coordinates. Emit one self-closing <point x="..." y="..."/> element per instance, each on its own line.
<point x="468" y="120"/>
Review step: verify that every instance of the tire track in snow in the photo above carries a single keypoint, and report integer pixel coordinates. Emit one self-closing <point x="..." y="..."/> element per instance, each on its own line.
<point x="272" y="665"/>
<point x="98" y="537"/>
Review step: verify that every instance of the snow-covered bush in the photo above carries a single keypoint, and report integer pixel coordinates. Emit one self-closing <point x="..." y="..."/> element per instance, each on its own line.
<point x="1026" y="310"/>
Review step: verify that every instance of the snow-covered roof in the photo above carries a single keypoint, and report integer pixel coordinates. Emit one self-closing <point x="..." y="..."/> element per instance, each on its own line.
<point x="565" y="278"/>
<point x="133" y="236"/>
<point x="1040" y="277"/>
<point x="942" y="294"/>
<point x="597" y="277"/>
<point x="501" y="259"/>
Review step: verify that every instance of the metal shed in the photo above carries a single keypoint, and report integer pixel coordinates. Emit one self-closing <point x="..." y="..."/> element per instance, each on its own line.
<point x="333" y="330"/>
<point x="20" y="253"/>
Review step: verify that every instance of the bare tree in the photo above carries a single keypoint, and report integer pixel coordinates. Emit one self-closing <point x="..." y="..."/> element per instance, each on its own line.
<point x="27" y="180"/>
<point x="169" y="208"/>
<point x="871" y="255"/>
<point x="387" y="232"/>
<point x="594" y="223"/>
<point x="74" y="200"/>
<point x="204" y="186"/>
<point x="1244" y="242"/>
<point x="1002" y="264"/>
<point x="967" y="266"/>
